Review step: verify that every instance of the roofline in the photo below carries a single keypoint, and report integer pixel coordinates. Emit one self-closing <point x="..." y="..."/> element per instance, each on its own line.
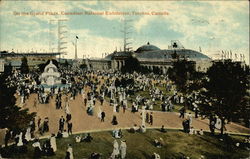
<point x="30" y="54"/>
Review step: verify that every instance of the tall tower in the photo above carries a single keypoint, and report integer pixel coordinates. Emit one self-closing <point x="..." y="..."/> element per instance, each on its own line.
<point x="62" y="31"/>
<point x="126" y="31"/>
<point x="61" y="36"/>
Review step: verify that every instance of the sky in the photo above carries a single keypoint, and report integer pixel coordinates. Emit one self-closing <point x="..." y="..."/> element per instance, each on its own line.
<point x="212" y="26"/>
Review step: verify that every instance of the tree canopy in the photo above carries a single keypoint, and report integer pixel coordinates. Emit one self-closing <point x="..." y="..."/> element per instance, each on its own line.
<point x="8" y="69"/>
<point x="224" y="90"/>
<point x="24" y="66"/>
<point x="181" y="74"/>
<point x="133" y="65"/>
<point x="12" y="116"/>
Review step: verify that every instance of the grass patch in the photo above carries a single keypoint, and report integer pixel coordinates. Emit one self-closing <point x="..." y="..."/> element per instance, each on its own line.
<point x="140" y="146"/>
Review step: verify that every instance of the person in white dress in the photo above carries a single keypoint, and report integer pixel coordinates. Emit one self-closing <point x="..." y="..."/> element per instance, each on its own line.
<point x="28" y="134"/>
<point x="53" y="142"/>
<point x="189" y="117"/>
<point x="123" y="148"/>
<point x="20" y="139"/>
<point x="70" y="150"/>
<point x="99" y="114"/>
<point x="192" y="131"/>
<point x="218" y="123"/>
<point x="65" y="134"/>
<point x="67" y="110"/>
<point x="114" y="107"/>
<point x="181" y="100"/>
<point x="116" y="151"/>
<point x="22" y="99"/>
<point x="78" y="139"/>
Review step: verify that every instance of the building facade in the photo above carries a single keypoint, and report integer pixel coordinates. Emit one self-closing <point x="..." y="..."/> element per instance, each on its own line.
<point x="15" y="59"/>
<point x="152" y="57"/>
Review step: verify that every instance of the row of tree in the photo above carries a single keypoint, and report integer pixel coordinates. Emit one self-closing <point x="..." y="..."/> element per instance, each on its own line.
<point x="223" y="89"/>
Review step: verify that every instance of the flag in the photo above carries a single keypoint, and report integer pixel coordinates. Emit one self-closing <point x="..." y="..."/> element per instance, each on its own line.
<point x="77" y="37"/>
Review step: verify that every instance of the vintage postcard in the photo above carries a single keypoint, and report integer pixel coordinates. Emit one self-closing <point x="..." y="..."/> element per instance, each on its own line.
<point x="124" y="79"/>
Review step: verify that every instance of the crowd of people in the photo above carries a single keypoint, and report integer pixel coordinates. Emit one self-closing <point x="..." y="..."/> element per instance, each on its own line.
<point x="117" y="89"/>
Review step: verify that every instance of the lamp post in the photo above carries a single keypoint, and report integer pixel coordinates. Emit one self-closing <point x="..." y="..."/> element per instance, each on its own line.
<point x="76" y="48"/>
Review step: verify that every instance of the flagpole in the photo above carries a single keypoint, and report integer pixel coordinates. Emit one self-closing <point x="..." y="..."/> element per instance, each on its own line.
<point x="76" y="48"/>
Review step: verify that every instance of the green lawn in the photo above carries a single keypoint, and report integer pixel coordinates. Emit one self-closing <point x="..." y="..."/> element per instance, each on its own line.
<point x="157" y="106"/>
<point x="140" y="146"/>
<point x="158" y="103"/>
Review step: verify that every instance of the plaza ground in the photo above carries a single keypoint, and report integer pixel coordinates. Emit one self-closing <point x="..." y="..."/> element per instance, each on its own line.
<point x="83" y="122"/>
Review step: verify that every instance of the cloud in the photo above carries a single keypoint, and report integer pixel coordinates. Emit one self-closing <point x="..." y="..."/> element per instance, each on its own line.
<point x="92" y="45"/>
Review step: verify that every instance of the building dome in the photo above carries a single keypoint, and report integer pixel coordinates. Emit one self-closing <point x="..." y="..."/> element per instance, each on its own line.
<point x="147" y="47"/>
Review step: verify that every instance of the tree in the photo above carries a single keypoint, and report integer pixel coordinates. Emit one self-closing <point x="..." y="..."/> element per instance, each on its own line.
<point x="83" y="66"/>
<point x="12" y="116"/>
<point x="65" y="64"/>
<point x="224" y="91"/>
<point x="156" y="70"/>
<point x="182" y="73"/>
<point x="24" y="65"/>
<point x="245" y="110"/>
<point x="133" y="65"/>
<point x="8" y="69"/>
<point x="175" y="55"/>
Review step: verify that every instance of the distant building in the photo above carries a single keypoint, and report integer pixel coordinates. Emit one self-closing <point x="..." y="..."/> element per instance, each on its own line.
<point x="33" y="58"/>
<point x="152" y="57"/>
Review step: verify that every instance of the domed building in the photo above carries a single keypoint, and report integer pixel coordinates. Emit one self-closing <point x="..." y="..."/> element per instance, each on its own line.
<point x="151" y="52"/>
<point x="152" y="57"/>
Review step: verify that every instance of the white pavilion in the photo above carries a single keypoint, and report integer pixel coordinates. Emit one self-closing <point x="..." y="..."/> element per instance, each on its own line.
<point x="50" y="76"/>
